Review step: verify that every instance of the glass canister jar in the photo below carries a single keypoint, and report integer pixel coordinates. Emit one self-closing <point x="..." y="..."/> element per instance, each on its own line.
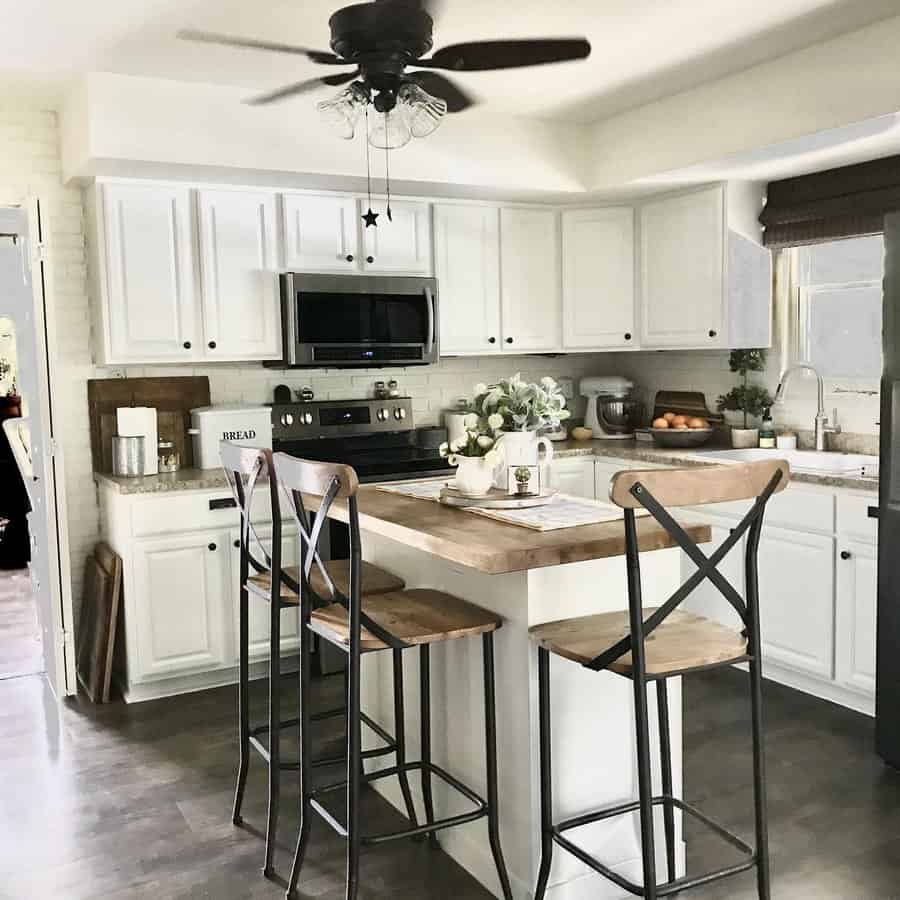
<point x="167" y="457"/>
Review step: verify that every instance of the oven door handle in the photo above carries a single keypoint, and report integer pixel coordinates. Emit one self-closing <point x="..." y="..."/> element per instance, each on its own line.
<point x="429" y="304"/>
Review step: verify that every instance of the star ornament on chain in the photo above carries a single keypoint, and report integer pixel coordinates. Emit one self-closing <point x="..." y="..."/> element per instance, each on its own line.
<point x="370" y="218"/>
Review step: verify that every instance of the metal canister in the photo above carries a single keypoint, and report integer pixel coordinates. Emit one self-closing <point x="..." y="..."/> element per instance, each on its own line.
<point x="128" y="455"/>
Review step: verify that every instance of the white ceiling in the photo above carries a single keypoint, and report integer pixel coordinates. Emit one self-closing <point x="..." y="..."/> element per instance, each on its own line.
<point x="642" y="49"/>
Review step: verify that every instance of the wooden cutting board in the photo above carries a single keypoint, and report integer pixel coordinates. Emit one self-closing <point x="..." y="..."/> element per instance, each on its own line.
<point x="173" y="398"/>
<point x="684" y="403"/>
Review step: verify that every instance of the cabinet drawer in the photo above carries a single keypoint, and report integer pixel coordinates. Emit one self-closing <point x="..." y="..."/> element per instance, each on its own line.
<point x="605" y="467"/>
<point x="794" y="508"/>
<point x="192" y="511"/>
<point x="853" y="517"/>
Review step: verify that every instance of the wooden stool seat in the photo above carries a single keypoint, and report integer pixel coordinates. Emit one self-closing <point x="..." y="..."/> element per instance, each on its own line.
<point x="683" y="641"/>
<point x="375" y="580"/>
<point x="415" y="617"/>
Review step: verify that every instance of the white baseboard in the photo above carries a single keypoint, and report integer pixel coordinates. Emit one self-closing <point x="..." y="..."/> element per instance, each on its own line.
<point x="818" y="687"/>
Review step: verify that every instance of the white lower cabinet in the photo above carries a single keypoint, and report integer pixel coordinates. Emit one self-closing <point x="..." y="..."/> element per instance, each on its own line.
<point x="857" y="595"/>
<point x="259" y="612"/>
<point x="573" y="476"/>
<point x="181" y="586"/>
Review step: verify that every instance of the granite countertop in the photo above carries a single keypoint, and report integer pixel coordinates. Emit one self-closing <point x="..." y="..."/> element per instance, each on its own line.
<point x="641" y="451"/>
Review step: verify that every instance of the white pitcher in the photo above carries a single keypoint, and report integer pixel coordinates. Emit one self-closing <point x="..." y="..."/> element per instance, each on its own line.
<point x="521" y="448"/>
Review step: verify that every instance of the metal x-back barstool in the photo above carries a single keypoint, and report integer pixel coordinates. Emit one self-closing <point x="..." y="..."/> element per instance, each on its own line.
<point x="245" y="469"/>
<point x="394" y="620"/>
<point x="655" y="644"/>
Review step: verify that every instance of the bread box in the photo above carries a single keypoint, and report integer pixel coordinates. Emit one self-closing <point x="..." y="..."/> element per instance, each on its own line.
<point x="250" y="426"/>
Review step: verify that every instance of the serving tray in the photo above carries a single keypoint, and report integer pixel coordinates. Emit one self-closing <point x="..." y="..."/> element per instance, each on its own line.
<point x="494" y="499"/>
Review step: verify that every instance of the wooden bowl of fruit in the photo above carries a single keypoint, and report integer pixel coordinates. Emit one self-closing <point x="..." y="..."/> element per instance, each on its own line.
<point x="678" y="430"/>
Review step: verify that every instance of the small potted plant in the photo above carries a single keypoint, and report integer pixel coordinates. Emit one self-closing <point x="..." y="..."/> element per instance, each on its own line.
<point x="747" y="400"/>
<point x="523" y="478"/>
<point x="475" y="455"/>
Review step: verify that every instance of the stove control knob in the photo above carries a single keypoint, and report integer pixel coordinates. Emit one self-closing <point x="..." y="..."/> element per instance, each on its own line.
<point x="381" y="415"/>
<point x="287" y="420"/>
<point x="399" y="413"/>
<point x="307" y="418"/>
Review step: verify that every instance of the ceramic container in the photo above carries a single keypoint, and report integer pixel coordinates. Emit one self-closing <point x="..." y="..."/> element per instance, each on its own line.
<point x="744" y="438"/>
<point x="520" y="448"/>
<point x="474" y="475"/>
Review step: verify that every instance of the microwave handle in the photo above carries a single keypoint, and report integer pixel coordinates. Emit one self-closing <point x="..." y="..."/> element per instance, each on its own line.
<point x="429" y="303"/>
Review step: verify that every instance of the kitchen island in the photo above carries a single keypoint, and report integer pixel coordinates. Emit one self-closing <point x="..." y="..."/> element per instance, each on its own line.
<point x="527" y="577"/>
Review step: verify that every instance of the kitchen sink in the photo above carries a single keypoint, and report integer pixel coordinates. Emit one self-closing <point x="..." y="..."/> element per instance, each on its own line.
<point x="812" y="461"/>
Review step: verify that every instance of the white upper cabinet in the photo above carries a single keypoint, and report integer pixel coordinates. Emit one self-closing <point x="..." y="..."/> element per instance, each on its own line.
<point x="682" y="270"/>
<point x="529" y="279"/>
<point x="401" y="246"/>
<point x="146" y="272"/>
<point x="321" y="234"/>
<point x="467" y="266"/>
<point x="598" y="279"/>
<point x="239" y="265"/>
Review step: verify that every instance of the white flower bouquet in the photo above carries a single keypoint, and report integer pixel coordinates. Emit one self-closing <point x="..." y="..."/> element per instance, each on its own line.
<point x="516" y="405"/>
<point x="476" y="441"/>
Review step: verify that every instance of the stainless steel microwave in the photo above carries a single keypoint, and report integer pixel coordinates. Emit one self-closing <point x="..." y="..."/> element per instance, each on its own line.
<point x="342" y="321"/>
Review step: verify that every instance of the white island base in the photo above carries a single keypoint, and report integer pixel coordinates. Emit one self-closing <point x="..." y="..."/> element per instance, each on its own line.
<point x="593" y="740"/>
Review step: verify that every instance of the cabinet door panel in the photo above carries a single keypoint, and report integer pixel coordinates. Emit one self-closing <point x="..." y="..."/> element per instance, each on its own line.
<point x="467" y="266"/>
<point x="180" y="585"/>
<point x="403" y="245"/>
<point x="238" y="244"/>
<point x="259" y="612"/>
<point x="598" y="279"/>
<point x="857" y="598"/>
<point x="320" y="233"/>
<point x="529" y="278"/>
<point x="796" y="587"/>
<point x="682" y="270"/>
<point x="150" y="299"/>
<point x="573" y="476"/>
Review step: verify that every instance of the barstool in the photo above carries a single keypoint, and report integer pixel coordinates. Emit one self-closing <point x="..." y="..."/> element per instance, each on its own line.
<point x="394" y="620"/>
<point x="245" y="468"/>
<point x="655" y="644"/>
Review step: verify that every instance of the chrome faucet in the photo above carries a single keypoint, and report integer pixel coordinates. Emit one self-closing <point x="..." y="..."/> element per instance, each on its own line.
<point x="822" y="427"/>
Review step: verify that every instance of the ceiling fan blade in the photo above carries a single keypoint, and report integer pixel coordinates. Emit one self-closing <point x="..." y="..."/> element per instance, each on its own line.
<point x="482" y="56"/>
<point x="301" y="87"/>
<point x="208" y="37"/>
<point x="439" y="86"/>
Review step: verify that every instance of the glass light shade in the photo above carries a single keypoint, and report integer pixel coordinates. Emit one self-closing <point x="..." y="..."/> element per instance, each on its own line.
<point x="341" y="112"/>
<point x="423" y="112"/>
<point x="388" y="131"/>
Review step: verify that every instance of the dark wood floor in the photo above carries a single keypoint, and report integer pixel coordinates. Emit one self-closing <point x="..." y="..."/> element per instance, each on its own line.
<point x="20" y="635"/>
<point x="134" y="802"/>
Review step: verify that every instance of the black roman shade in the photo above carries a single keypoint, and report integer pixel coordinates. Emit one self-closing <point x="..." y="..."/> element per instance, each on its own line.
<point x="840" y="203"/>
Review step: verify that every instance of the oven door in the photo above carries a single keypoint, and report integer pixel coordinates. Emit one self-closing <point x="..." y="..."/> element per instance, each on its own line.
<point x="347" y="320"/>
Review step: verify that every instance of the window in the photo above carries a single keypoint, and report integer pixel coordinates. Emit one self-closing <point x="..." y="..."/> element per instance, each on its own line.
<point x="839" y="301"/>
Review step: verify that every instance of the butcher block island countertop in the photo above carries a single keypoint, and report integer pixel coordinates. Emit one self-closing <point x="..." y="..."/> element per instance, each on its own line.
<point x="489" y="546"/>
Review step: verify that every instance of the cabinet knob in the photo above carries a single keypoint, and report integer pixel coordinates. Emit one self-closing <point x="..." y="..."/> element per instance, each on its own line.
<point x="237" y="543"/>
<point x="212" y="546"/>
<point x="509" y="340"/>
<point x="212" y="345"/>
<point x="349" y="257"/>
<point x="370" y="259"/>
<point x="492" y="340"/>
<point x="187" y="345"/>
<point x="846" y="554"/>
<point x="627" y="335"/>
<point x="712" y="333"/>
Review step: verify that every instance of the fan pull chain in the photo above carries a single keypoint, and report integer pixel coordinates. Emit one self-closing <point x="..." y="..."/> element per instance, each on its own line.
<point x="387" y="180"/>
<point x="370" y="218"/>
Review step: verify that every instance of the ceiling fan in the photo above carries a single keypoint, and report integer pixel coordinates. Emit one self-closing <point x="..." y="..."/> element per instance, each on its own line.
<point x="380" y="41"/>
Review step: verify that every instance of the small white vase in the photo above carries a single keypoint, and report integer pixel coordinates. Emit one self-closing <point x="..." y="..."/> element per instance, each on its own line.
<point x="520" y="448"/>
<point x="744" y="438"/>
<point x="474" y="476"/>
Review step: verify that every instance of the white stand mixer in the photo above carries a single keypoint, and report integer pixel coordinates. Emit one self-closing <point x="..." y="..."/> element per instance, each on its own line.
<point x="612" y="414"/>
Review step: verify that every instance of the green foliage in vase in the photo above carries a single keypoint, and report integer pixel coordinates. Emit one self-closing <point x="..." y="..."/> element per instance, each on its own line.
<point x="750" y="399"/>
<point x="516" y="405"/>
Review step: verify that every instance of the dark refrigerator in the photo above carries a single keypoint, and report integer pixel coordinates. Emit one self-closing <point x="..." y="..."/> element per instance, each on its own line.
<point x="887" y="696"/>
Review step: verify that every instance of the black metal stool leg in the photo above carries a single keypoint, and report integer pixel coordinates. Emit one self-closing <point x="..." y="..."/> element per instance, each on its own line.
<point x="400" y="737"/>
<point x="354" y="758"/>
<point x="425" y="716"/>
<point x="274" y="734"/>
<point x="243" y="707"/>
<point x="759" y="782"/>
<point x="665" y="752"/>
<point x="645" y="784"/>
<point x="546" y="773"/>
<point x="490" y="731"/>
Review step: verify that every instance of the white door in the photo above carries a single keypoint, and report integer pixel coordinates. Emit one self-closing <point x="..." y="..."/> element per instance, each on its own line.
<point x="239" y="264"/>
<point x="467" y="266"/>
<point x="796" y="588"/>
<point x="320" y="233"/>
<point x="259" y="611"/>
<point x="682" y="270"/>
<point x="181" y="588"/>
<point x="529" y="279"/>
<point x="149" y="299"/>
<point x="573" y="476"/>
<point x="857" y="599"/>
<point x="598" y="279"/>
<point x="22" y="299"/>
<point x="401" y="246"/>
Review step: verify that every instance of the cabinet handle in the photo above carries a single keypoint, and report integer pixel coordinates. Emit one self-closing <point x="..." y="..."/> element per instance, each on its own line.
<point x="492" y="340"/>
<point x="212" y="345"/>
<point x="627" y="335"/>
<point x="187" y="345"/>
<point x="212" y="546"/>
<point x="846" y="554"/>
<point x="349" y="257"/>
<point x="509" y="340"/>
<point x="370" y="259"/>
<point x="712" y="333"/>
<point x="237" y="543"/>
